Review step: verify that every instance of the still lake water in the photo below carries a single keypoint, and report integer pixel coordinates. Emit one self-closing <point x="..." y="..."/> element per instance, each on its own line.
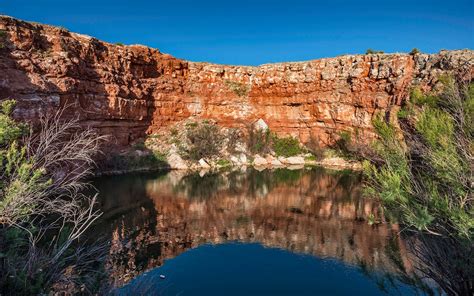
<point x="274" y="232"/>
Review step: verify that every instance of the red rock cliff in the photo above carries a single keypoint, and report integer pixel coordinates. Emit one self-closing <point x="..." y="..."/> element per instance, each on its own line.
<point x="128" y="91"/>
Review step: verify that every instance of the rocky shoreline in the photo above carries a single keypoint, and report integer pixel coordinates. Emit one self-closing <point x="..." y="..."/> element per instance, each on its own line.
<point x="259" y="163"/>
<point x="174" y="149"/>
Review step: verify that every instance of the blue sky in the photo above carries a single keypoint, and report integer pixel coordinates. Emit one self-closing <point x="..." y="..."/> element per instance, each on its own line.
<point x="252" y="32"/>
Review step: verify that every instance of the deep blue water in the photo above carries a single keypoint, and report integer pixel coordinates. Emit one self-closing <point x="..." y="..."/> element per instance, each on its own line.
<point x="274" y="232"/>
<point x="252" y="269"/>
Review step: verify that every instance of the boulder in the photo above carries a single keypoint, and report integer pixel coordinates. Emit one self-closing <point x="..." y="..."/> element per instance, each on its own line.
<point x="243" y="158"/>
<point x="293" y="160"/>
<point x="235" y="159"/>
<point x="239" y="159"/>
<point x="140" y="153"/>
<point x="259" y="161"/>
<point x="295" y="167"/>
<point x="341" y="163"/>
<point x="176" y="162"/>
<point x="276" y="163"/>
<point x="260" y="125"/>
<point x="204" y="164"/>
<point x="269" y="158"/>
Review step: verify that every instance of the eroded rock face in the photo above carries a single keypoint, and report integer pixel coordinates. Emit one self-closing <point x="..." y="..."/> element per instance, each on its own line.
<point x="117" y="89"/>
<point x="128" y="91"/>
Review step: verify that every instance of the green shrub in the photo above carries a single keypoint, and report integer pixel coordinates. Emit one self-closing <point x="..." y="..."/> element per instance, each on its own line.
<point x="422" y="181"/>
<point x="403" y="113"/>
<point x="287" y="146"/>
<point x="119" y="44"/>
<point x="238" y="88"/>
<point x="259" y="141"/>
<point x="416" y="93"/>
<point x="223" y="162"/>
<point x="174" y="132"/>
<point x="414" y="51"/>
<point x="131" y="161"/>
<point x="203" y="141"/>
<point x="9" y="129"/>
<point x="436" y="127"/>
<point x="371" y="51"/>
<point x="139" y="145"/>
<point x="417" y="97"/>
<point x="264" y="141"/>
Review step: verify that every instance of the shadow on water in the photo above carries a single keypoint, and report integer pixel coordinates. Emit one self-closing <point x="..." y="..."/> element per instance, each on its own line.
<point x="153" y="218"/>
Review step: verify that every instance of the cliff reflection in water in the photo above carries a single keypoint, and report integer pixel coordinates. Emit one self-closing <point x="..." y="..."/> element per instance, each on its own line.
<point x="152" y="217"/>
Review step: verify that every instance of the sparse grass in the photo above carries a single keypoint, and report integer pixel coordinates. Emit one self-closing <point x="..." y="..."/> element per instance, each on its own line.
<point x="224" y="162"/>
<point x="154" y="136"/>
<point x="174" y="132"/>
<point x="191" y="124"/>
<point x="371" y="219"/>
<point x="330" y="153"/>
<point x="238" y="88"/>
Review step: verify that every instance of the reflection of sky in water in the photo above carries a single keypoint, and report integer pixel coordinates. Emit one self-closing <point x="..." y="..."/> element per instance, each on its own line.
<point x="151" y="218"/>
<point x="250" y="269"/>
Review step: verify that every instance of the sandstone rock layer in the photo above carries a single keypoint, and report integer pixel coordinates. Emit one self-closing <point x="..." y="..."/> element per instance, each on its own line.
<point x="129" y="91"/>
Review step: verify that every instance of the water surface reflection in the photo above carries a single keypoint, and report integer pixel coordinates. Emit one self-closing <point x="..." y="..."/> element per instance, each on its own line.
<point x="153" y="217"/>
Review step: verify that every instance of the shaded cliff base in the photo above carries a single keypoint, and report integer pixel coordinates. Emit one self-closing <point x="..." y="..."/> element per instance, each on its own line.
<point x="203" y="145"/>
